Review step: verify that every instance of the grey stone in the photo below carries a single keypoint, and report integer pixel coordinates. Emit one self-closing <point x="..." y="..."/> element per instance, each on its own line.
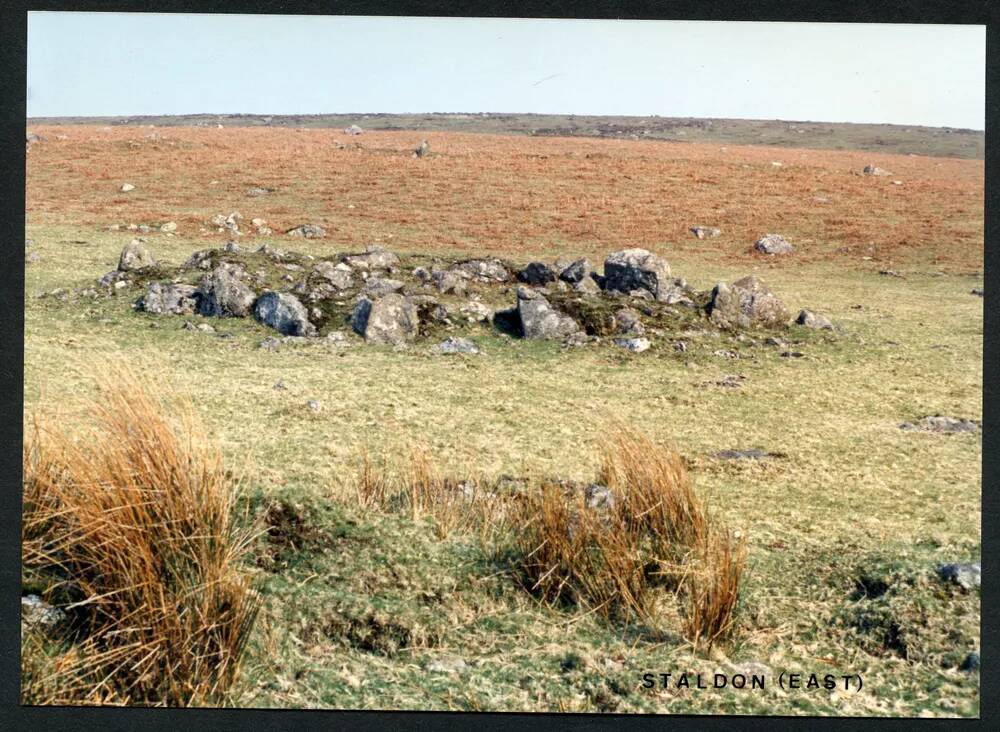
<point x="446" y="665"/>
<point x="254" y="191"/>
<point x="353" y="130"/>
<point x="874" y="170"/>
<point x="36" y="613"/>
<point x="222" y="294"/>
<point x="135" y="256"/>
<point x="587" y="287"/>
<point x="374" y="257"/>
<point x="270" y="344"/>
<point x="813" y="320"/>
<point x="169" y="227"/>
<point x="633" y="345"/>
<point x="456" y="345"/>
<point x="476" y="311"/>
<point x="314" y="406"/>
<point x="390" y="320"/>
<point x="636" y="269"/>
<point x="284" y="313"/>
<point x="536" y="274"/>
<point x="705" y="232"/>
<point x="486" y="270"/>
<point x="747" y="302"/>
<point x="791" y="354"/>
<point x="381" y="286"/>
<point x="966" y="576"/>
<point x="339" y="275"/>
<point x="307" y="231"/>
<point x="598" y="496"/>
<point x="449" y="282"/>
<point x="162" y="298"/>
<point x="628" y="322"/>
<point x="33" y="257"/>
<point x="576" y="272"/>
<point x="751" y="454"/>
<point x="971" y="662"/>
<point x="538" y="319"/>
<point x="772" y="244"/>
<point x="937" y="423"/>
<point x="126" y="187"/>
<point x="202" y="259"/>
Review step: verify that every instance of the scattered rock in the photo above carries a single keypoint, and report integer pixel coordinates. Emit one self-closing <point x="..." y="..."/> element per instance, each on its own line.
<point x="254" y="191"/>
<point x="892" y="273"/>
<point x="422" y="150"/>
<point x="636" y="269"/>
<point x="36" y="613"/>
<point x="634" y="345"/>
<point x="169" y="227"/>
<point x="772" y="244"/>
<point x="791" y="354"/>
<point x="937" y="423"/>
<point x="381" y="286"/>
<point x="705" y="232"/>
<point x="32" y="137"/>
<point x="222" y="294"/>
<point x="374" y="257"/>
<point x="536" y="274"/>
<point x="587" y="287"/>
<point x="485" y="270"/>
<point x="353" y="130"/>
<point x="628" y="322"/>
<point x="971" y="662"/>
<point x="314" y="406"/>
<point x="272" y="252"/>
<point x="725" y="353"/>
<point x="135" y="256"/>
<point x="279" y="385"/>
<point x="966" y="576"/>
<point x="307" y="231"/>
<point x="126" y="187"/>
<point x="284" y="313"/>
<point x="390" y="320"/>
<point x="163" y="298"/>
<point x="747" y="302"/>
<point x="449" y="282"/>
<point x="445" y="665"/>
<point x="456" y="345"/>
<point x="337" y="275"/>
<point x="813" y="320"/>
<point x="538" y="319"/>
<point x="476" y="311"/>
<point x="598" y="496"/>
<point x="576" y="272"/>
<point x="270" y="344"/>
<point x="874" y="170"/>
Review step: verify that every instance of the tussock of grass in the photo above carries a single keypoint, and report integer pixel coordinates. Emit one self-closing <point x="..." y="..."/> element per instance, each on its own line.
<point x="134" y="522"/>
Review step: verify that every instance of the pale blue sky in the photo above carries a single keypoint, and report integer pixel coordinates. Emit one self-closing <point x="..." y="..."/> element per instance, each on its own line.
<point x="130" y="64"/>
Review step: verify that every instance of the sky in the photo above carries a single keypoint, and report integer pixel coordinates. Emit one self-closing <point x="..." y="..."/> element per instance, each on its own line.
<point x="122" y="64"/>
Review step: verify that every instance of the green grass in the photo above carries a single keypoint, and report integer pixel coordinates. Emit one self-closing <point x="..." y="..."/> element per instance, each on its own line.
<point x="851" y="492"/>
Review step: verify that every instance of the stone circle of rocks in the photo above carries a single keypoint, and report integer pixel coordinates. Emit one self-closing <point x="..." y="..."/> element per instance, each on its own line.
<point x="385" y="300"/>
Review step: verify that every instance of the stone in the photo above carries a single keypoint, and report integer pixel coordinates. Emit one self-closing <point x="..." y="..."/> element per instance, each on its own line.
<point x="135" y="256"/>
<point x="892" y="273"/>
<point x="353" y="130"/>
<point x="636" y="269"/>
<point x="977" y="292"/>
<point x="971" y="662"/>
<point x="421" y="275"/>
<point x="747" y="302"/>
<point x="339" y="278"/>
<point x="456" y="345"/>
<point x="449" y="282"/>
<point x="33" y="257"/>
<point x="205" y="328"/>
<point x="390" y="320"/>
<point x="772" y="244"/>
<point x="539" y="320"/>
<point x="222" y="294"/>
<point x="284" y="313"/>
<point x="169" y="227"/>
<point x="791" y="354"/>
<point x="254" y="191"/>
<point x="705" y="232"/>
<point x="576" y="272"/>
<point x="314" y="406"/>
<point x="537" y="274"/>
<point x="337" y="338"/>
<point x="874" y="170"/>
<point x="381" y="286"/>
<point x="268" y="251"/>
<point x="598" y="496"/>
<point x="126" y="187"/>
<point x="36" y="613"/>
<point x="168" y="298"/>
<point x="32" y="137"/>
<point x="476" y="311"/>
<point x="307" y="231"/>
<point x="966" y="576"/>
<point x="374" y="257"/>
<point x="112" y="278"/>
<point x="809" y="319"/>
<point x="633" y="345"/>
<point x="628" y="322"/>
<point x="279" y="385"/>
<point x="587" y="287"/>
<point x="937" y="423"/>
<point x="485" y="270"/>
<point x="270" y="344"/>
<point x="445" y="665"/>
<point x="232" y="247"/>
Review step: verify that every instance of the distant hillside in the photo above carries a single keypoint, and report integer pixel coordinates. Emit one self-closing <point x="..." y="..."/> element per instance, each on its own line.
<point x="935" y="141"/>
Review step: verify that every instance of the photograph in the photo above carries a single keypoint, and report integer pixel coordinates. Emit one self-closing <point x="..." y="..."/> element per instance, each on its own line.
<point x="525" y="365"/>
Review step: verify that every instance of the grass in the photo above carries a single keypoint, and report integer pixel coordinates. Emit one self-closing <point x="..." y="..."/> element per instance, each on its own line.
<point x="849" y="493"/>
<point x="130" y="528"/>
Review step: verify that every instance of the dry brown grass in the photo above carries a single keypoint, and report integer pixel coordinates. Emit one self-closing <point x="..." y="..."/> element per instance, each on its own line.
<point x="133" y="521"/>
<point x="517" y="195"/>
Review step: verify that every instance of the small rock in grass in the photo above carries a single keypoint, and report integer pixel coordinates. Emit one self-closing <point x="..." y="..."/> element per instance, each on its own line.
<point x="37" y="613"/>
<point x="445" y="665"/>
<point x="633" y="345"/>
<point x="314" y="406"/>
<point x="751" y="454"/>
<point x="126" y="187"/>
<point x="456" y="345"/>
<point x="792" y="354"/>
<point x="772" y="244"/>
<point x="279" y="385"/>
<point x="813" y="320"/>
<point x="270" y="344"/>
<point x="966" y="576"/>
<point x="937" y="423"/>
<point x="705" y="232"/>
<point x="976" y="292"/>
<point x="971" y="662"/>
